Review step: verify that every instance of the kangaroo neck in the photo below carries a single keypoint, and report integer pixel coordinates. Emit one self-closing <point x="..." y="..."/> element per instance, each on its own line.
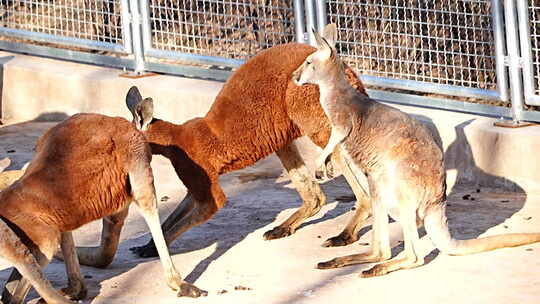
<point x="334" y="89"/>
<point x="161" y="134"/>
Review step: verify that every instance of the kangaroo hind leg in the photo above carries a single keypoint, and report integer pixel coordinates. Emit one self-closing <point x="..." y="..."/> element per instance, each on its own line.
<point x="411" y="238"/>
<point x="380" y="243"/>
<point x="144" y="195"/>
<point x="17" y="253"/>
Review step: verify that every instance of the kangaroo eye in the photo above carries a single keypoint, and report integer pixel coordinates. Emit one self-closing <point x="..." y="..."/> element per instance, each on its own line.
<point x="308" y="62"/>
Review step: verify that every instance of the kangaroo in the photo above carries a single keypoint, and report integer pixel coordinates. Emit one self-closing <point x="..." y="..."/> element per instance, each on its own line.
<point x="259" y="111"/>
<point x="402" y="163"/>
<point x="87" y="167"/>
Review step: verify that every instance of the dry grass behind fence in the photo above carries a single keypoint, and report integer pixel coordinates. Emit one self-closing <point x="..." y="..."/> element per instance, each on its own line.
<point x="439" y="41"/>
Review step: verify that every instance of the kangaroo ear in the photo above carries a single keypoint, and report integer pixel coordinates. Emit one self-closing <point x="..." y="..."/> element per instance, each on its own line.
<point x="323" y="45"/>
<point x="142" y="110"/>
<point x="133" y="97"/>
<point x="4" y="163"/>
<point x="330" y="34"/>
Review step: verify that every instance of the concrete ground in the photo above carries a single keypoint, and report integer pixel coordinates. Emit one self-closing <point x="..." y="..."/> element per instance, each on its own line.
<point x="228" y="257"/>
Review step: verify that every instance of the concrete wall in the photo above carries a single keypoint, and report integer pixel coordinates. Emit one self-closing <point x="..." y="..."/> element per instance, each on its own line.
<point x="40" y="88"/>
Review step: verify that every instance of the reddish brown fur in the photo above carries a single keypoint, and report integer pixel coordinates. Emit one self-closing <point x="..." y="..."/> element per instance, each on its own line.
<point x="69" y="193"/>
<point x="259" y="111"/>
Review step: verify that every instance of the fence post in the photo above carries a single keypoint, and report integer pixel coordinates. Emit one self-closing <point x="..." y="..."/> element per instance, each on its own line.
<point x="497" y="20"/>
<point x="299" y="24"/>
<point x="310" y="20"/>
<point x="514" y="60"/>
<point x="321" y="14"/>
<point x="136" y="37"/>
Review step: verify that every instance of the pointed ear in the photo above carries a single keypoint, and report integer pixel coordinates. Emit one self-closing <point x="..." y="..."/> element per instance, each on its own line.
<point x="133" y="98"/>
<point x="323" y="45"/>
<point x="142" y="110"/>
<point x="4" y="163"/>
<point x="144" y="114"/>
<point x="320" y="43"/>
<point x="330" y="34"/>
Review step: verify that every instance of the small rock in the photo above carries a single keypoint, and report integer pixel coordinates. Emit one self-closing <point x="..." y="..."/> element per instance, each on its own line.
<point x="527" y="218"/>
<point x="165" y="198"/>
<point x="363" y="244"/>
<point x="529" y="249"/>
<point x="257" y="218"/>
<point x="10" y="151"/>
<point x="505" y="201"/>
<point x="506" y="227"/>
<point x="239" y="287"/>
<point x="472" y="199"/>
<point x="466" y="196"/>
<point x="478" y="190"/>
<point x="87" y="276"/>
<point x="222" y="291"/>
<point x="318" y="236"/>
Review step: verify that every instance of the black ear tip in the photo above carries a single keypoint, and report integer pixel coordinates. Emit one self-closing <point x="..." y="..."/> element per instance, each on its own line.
<point x="133" y="89"/>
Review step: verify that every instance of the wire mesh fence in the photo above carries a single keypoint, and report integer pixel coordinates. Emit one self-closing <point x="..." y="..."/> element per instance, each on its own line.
<point x="534" y="27"/>
<point x="442" y="41"/>
<point x="85" y="23"/>
<point x="233" y="29"/>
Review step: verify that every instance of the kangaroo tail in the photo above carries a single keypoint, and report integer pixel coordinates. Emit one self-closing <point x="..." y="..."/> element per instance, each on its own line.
<point x="436" y="225"/>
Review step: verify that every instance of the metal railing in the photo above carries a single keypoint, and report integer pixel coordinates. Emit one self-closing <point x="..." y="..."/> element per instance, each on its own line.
<point x="483" y="49"/>
<point x="95" y="25"/>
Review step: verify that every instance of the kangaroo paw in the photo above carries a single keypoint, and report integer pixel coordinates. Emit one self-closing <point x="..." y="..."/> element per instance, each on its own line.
<point x="342" y="239"/>
<point x="147" y="251"/>
<point x="375" y="271"/>
<point x="190" y="290"/>
<point x="334" y="263"/>
<point x="75" y="293"/>
<point x="277" y="233"/>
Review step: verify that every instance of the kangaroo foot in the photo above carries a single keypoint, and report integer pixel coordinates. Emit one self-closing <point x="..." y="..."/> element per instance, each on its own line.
<point x="342" y="239"/>
<point x="147" y="251"/>
<point x="75" y="293"/>
<point x="333" y="263"/>
<point x="277" y="233"/>
<point x="190" y="290"/>
<point x="375" y="271"/>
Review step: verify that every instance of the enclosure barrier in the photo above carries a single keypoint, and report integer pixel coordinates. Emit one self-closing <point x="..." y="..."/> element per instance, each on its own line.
<point x="435" y="53"/>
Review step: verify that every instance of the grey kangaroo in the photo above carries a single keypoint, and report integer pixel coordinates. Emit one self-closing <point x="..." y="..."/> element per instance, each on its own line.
<point x="401" y="161"/>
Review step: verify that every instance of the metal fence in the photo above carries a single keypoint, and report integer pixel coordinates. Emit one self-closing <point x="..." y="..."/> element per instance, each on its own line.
<point x="486" y="50"/>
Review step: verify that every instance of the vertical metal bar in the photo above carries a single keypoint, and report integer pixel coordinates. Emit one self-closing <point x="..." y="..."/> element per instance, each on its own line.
<point x="513" y="59"/>
<point x="497" y="22"/>
<point x="321" y="14"/>
<point x="310" y="20"/>
<point x="126" y="26"/>
<point x="299" y="21"/>
<point x="137" y="36"/>
<point x="145" y="24"/>
<point x="526" y="49"/>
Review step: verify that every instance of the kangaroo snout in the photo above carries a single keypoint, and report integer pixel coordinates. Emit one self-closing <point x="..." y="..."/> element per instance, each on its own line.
<point x="296" y="77"/>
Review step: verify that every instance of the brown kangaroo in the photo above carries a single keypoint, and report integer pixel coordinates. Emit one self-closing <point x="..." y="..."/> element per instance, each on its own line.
<point x="259" y="111"/>
<point x="402" y="162"/>
<point x="87" y="167"/>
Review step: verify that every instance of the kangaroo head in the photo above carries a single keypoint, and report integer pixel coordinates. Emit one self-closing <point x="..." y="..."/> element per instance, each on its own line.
<point x="141" y="109"/>
<point x="317" y="66"/>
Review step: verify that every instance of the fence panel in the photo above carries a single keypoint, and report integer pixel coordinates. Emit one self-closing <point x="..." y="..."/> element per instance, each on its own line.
<point x="530" y="47"/>
<point x="96" y="25"/>
<point x="223" y="32"/>
<point x="439" y="46"/>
